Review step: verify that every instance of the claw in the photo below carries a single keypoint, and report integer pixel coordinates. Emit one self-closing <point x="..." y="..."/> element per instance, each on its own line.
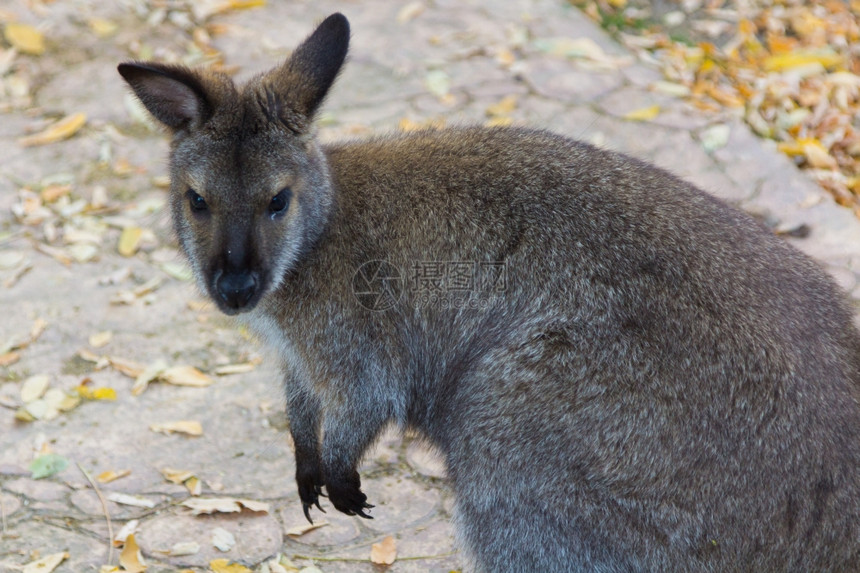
<point x="318" y="490"/>
<point x="368" y="506"/>
<point x="362" y="514"/>
<point x="306" y="507"/>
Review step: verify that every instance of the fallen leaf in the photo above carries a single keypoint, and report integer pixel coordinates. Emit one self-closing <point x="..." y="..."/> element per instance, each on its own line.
<point x="128" y="367"/>
<point x="82" y="252"/>
<point x="52" y="193"/>
<point x="504" y="107"/>
<point x="132" y="500"/>
<point x="184" y="548"/>
<point x="129" y="241"/>
<point x="9" y="358"/>
<point x="227" y="566"/>
<point x="438" y="82"/>
<point x="100" y="339"/>
<point x="128" y="529"/>
<point x="185" y="376"/>
<point x="188" y="427"/>
<point x="130" y="557"/>
<point x="222" y="539"/>
<point x="199" y="505"/>
<point x="101" y="27"/>
<point x="643" y="114"/>
<point x="303" y="528"/>
<point x="410" y="12"/>
<point x="98" y="393"/>
<point x="715" y="137"/>
<point x="179" y="271"/>
<point x="25" y="38"/>
<point x="498" y="122"/>
<point x="176" y="476"/>
<point x="194" y="485"/>
<point x="62" y="129"/>
<point x="147" y="375"/>
<point x="46" y="564"/>
<point x="385" y="552"/>
<point x="47" y="465"/>
<point x="799" y="59"/>
<point x="111" y="475"/>
<point x="34" y="387"/>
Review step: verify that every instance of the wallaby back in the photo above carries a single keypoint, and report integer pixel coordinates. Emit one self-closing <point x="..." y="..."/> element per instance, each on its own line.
<point x="622" y="372"/>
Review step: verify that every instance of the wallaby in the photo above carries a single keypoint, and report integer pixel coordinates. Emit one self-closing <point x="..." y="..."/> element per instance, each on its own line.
<point x="632" y="376"/>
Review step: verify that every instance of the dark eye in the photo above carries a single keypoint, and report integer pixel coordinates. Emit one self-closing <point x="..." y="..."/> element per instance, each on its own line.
<point x="197" y="203"/>
<point x="280" y="202"/>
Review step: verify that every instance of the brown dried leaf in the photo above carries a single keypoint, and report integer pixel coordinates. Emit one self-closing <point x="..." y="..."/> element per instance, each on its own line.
<point x="100" y="339"/>
<point x="152" y="372"/>
<point x="187" y="427"/>
<point x="127" y="367"/>
<point x="62" y="129"/>
<point x="176" y="476"/>
<point x="384" y="552"/>
<point x="111" y="475"/>
<point x="46" y="564"/>
<point x="130" y="557"/>
<point x="185" y="376"/>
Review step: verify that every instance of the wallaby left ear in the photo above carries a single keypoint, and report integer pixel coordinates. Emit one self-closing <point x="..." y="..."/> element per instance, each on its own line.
<point x="174" y="95"/>
<point x="295" y="90"/>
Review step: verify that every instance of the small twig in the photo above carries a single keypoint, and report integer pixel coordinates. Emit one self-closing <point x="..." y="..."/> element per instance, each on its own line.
<point x="105" y="508"/>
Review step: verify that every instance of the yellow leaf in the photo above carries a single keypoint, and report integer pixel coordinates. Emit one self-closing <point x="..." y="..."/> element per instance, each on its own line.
<point x="111" y="475"/>
<point x="799" y="59"/>
<point x="130" y="557"/>
<point x="25" y="38"/>
<point x="46" y="564"/>
<point x="63" y="129"/>
<point x="227" y="566"/>
<point x="188" y="427"/>
<point x="643" y="114"/>
<point x="504" y="107"/>
<point x="176" y="476"/>
<point x="100" y="393"/>
<point x="129" y="241"/>
<point x="498" y="122"/>
<point x="101" y="27"/>
<point x="385" y="552"/>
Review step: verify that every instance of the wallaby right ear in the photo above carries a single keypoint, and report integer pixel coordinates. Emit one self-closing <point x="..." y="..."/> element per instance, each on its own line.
<point x="296" y="89"/>
<point x="173" y="94"/>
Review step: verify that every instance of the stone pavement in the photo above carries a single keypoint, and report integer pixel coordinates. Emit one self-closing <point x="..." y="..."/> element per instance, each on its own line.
<point x="445" y="61"/>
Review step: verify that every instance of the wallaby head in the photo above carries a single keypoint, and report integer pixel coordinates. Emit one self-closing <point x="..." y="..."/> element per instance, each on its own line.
<point x="249" y="187"/>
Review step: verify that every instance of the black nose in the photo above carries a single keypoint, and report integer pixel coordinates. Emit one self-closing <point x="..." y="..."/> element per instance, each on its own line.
<point x="236" y="289"/>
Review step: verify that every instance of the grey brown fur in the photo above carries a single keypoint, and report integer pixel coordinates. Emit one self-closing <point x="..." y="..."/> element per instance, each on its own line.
<point x="662" y="385"/>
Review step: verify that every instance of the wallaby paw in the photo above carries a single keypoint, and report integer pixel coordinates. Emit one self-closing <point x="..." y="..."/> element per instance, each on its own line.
<point x="310" y="490"/>
<point x="346" y="496"/>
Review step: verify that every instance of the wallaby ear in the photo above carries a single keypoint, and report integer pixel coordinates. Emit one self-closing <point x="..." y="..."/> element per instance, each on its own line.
<point x="173" y="94"/>
<point x="296" y="89"/>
